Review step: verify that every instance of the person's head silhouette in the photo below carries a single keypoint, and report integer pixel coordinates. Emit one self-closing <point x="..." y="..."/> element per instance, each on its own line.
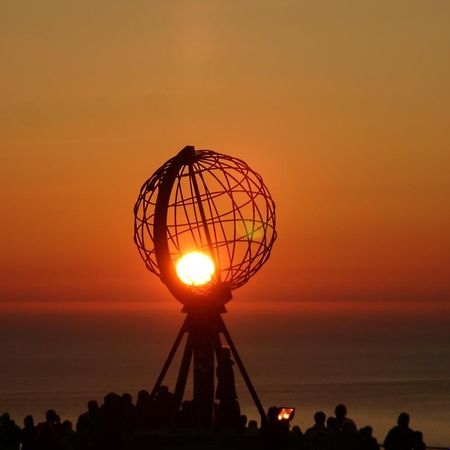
<point x="28" y="421"/>
<point x="127" y="399"/>
<point x="403" y="420"/>
<point x="163" y="390"/>
<point x="67" y="426"/>
<point x="92" y="406"/>
<point x="108" y="399"/>
<point x="366" y="432"/>
<point x="225" y="352"/>
<point x="319" y="418"/>
<point x="142" y="398"/>
<point x="332" y="423"/>
<point x="340" y="411"/>
<point x="51" y="416"/>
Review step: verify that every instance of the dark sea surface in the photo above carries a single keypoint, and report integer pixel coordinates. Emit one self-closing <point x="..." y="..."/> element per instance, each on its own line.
<point x="378" y="363"/>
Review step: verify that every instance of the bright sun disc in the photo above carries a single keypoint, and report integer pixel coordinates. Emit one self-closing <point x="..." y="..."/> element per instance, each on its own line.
<point x="195" y="268"/>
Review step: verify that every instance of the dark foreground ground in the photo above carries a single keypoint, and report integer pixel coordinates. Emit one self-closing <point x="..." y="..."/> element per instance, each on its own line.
<point x="191" y="440"/>
<point x="198" y="440"/>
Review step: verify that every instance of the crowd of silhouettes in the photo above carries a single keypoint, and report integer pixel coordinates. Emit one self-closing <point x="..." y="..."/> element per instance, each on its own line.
<point x="111" y="427"/>
<point x="51" y="434"/>
<point x="339" y="432"/>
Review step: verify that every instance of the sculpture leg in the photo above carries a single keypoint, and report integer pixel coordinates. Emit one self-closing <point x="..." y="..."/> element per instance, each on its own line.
<point x="244" y="373"/>
<point x="169" y="359"/>
<point x="183" y="373"/>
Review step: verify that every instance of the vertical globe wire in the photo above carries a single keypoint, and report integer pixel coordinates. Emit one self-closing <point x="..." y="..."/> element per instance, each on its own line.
<point x="218" y="205"/>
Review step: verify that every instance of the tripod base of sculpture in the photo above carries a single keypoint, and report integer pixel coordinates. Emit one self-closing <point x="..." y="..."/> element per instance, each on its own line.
<point x="203" y="330"/>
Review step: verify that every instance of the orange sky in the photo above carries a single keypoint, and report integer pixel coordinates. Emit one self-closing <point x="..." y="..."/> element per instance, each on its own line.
<point x="344" y="108"/>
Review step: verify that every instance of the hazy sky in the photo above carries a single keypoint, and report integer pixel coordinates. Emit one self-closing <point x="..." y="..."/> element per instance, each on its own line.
<point x="343" y="107"/>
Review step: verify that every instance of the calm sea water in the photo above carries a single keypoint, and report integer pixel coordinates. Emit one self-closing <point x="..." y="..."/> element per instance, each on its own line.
<point x="377" y="365"/>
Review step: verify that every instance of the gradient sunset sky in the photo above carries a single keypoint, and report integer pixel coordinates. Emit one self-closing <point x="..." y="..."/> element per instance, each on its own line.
<point x="343" y="107"/>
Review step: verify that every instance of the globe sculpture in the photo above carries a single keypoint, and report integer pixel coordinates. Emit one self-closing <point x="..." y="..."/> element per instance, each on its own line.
<point x="204" y="224"/>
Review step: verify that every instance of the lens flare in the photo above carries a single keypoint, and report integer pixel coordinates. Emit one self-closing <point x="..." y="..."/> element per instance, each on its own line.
<point x="195" y="268"/>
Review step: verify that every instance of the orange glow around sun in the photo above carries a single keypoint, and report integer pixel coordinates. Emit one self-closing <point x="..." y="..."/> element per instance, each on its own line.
<point x="195" y="268"/>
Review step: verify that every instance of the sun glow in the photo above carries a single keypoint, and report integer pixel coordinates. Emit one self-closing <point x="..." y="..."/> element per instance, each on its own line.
<point x="195" y="268"/>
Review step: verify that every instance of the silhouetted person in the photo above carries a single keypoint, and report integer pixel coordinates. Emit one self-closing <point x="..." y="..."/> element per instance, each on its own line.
<point x="347" y="435"/>
<point x="298" y="439"/>
<point x="9" y="433"/>
<point x="143" y="405"/>
<point x="341" y="417"/>
<point x="28" y="434"/>
<point x="162" y="408"/>
<point x="93" y="409"/>
<point x="316" y="435"/>
<point x="228" y="410"/>
<point x="332" y="432"/>
<point x="226" y="388"/>
<point x="252" y="428"/>
<point x="366" y="441"/>
<point x="58" y="429"/>
<point x="129" y="413"/>
<point x="48" y="432"/>
<point x="418" y="441"/>
<point x="91" y="426"/>
<point x="401" y="437"/>
<point x="243" y="423"/>
<point x="82" y="437"/>
<point x="68" y="438"/>
<point x="111" y="415"/>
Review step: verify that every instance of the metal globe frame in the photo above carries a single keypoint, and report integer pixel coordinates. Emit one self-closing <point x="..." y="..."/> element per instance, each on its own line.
<point x="217" y="204"/>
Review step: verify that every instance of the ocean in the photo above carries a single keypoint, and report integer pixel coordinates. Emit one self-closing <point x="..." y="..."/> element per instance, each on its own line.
<point x="378" y="364"/>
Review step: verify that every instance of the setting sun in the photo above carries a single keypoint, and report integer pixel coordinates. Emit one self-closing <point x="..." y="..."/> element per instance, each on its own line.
<point x="195" y="268"/>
